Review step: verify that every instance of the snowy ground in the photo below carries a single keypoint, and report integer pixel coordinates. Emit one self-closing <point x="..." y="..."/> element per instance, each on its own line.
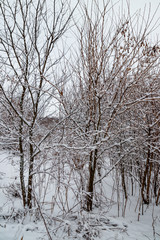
<point x="100" y="224"/>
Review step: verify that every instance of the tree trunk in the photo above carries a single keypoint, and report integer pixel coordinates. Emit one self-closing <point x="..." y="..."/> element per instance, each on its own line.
<point x="92" y="168"/>
<point x="145" y="200"/>
<point x="21" y="150"/>
<point x="156" y="172"/>
<point x="30" y="177"/>
<point x="123" y="180"/>
<point x="149" y="182"/>
<point x="157" y="200"/>
<point x="23" y="191"/>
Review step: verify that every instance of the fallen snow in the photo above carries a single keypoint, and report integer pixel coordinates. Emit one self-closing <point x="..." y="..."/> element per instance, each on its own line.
<point x="102" y="223"/>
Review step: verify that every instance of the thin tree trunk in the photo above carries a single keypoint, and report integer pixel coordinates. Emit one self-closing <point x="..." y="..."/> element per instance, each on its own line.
<point x="146" y="171"/>
<point x="30" y="177"/>
<point x="123" y="181"/>
<point x="92" y="168"/>
<point x="21" y="150"/>
<point x="156" y="171"/>
<point x="149" y="181"/>
<point x="144" y="179"/>
<point x="157" y="200"/>
<point x="23" y="191"/>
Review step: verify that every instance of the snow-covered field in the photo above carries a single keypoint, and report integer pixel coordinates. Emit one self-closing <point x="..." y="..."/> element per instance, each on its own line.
<point x="102" y="223"/>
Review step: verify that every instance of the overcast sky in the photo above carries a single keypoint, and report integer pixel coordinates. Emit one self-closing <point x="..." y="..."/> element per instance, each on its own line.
<point x="135" y="6"/>
<point x="152" y="5"/>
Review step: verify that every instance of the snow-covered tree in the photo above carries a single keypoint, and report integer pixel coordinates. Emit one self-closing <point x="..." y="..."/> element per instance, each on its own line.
<point x="113" y="59"/>
<point x="29" y="34"/>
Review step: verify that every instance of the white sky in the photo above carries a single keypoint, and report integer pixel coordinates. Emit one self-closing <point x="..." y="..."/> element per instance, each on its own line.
<point x="135" y="6"/>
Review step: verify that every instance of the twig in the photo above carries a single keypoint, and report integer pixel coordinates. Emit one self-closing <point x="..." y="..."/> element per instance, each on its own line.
<point x="44" y="221"/>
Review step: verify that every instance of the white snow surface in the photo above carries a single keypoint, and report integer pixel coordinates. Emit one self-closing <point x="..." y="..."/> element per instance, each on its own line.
<point x="101" y="223"/>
